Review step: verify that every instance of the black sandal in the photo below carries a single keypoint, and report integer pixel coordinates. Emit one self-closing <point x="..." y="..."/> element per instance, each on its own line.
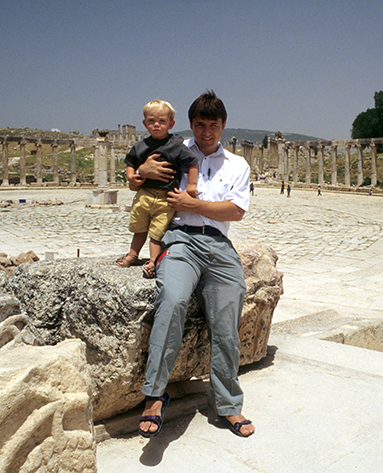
<point x="158" y="420"/>
<point x="236" y="428"/>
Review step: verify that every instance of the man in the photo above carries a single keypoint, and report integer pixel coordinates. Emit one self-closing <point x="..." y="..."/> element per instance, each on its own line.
<point x="199" y="257"/>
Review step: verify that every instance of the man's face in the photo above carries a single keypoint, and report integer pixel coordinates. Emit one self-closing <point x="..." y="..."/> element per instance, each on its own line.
<point x="207" y="133"/>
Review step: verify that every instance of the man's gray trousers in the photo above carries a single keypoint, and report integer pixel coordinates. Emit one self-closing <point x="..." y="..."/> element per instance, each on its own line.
<point x="210" y="266"/>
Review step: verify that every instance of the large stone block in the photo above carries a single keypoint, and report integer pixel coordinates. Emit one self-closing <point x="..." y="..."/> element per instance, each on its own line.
<point x="45" y="410"/>
<point x="111" y="310"/>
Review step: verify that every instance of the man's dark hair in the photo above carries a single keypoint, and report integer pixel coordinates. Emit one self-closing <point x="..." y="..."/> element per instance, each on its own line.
<point x="208" y="106"/>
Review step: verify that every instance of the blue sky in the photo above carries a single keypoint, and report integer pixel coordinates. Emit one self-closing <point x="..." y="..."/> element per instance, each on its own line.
<point x="305" y="66"/>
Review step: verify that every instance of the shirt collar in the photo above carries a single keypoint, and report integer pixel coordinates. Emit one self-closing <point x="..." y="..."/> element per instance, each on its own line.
<point x="220" y="151"/>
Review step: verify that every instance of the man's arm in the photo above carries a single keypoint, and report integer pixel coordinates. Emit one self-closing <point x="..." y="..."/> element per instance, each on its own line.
<point x="224" y="211"/>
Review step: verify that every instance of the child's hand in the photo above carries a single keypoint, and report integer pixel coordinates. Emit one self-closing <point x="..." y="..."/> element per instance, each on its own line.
<point x="135" y="182"/>
<point x="191" y="189"/>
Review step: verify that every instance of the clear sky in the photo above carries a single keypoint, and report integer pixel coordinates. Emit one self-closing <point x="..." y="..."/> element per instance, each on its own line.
<point x="297" y="66"/>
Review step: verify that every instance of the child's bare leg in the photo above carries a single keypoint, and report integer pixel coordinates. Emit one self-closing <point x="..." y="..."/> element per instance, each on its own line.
<point x="155" y="249"/>
<point x="131" y="258"/>
<point x="138" y="242"/>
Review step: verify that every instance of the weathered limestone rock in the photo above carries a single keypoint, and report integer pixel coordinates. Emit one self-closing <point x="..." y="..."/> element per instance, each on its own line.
<point x="15" y="328"/>
<point x="9" y="305"/>
<point x="111" y="310"/>
<point x="45" y="410"/>
<point x="3" y="281"/>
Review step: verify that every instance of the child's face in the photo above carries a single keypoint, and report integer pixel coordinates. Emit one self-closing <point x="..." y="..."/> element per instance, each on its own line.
<point x="158" y="123"/>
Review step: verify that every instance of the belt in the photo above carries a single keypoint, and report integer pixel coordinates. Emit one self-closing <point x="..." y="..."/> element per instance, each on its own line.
<point x="205" y="230"/>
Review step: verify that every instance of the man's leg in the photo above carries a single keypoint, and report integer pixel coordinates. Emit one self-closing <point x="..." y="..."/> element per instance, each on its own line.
<point x="177" y="277"/>
<point x="176" y="280"/>
<point x="221" y="293"/>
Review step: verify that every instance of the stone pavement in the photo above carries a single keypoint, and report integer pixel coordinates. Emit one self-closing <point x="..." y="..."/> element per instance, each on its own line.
<point x="317" y="405"/>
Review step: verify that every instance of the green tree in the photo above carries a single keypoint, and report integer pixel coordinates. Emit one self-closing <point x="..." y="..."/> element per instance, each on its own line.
<point x="378" y="99"/>
<point x="265" y="142"/>
<point x="369" y="124"/>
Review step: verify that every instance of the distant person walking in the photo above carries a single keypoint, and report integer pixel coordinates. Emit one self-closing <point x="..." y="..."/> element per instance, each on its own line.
<point x="319" y="191"/>
<point x="283" y="187"/>
<point x="252" y="188"/>
<point x="288" y="190"/>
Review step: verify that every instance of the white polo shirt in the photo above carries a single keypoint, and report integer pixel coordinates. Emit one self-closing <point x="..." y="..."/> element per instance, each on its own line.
<point x="223" y="176"/>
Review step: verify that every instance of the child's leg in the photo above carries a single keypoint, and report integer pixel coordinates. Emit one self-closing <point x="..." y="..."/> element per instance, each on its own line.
<point x="138" y="242"/>
<point x="131" y="258"/>
<point x="155" y="249"/>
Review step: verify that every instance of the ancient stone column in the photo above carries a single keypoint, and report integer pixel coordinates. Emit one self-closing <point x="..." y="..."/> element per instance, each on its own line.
<point x="124" y="132"/>
<point x="374" y="179"/>
<point x="334" y="168"/>
<point x="360" y="164"/>
<point x="295" y="164"/>
<point x="233" y="144"/>
<point x="285" y="161"/>
<point x="119" y="133"/>
<point x="103" y="164"/>
<point x="347" y="181"/>
<point x="272" y="153"/>
<point x="55" y="162"/>
<point x="39" y="163"/>
<point x="132" y="133"/>
<point x="112" y="176"/>
<point x="5" y="164"/>
<point x="280" y="157"/>
<point x="320" y="163"/>
<point x="23" y="181"/>
<point x="72" y="164"/>
<point x="260" y="163"/>
<point x="308" y="165"/>
<point x="96" y="164"/>
<point x="247" y="152"/>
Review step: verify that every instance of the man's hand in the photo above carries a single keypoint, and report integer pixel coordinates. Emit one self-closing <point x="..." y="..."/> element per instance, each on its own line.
<point x="159" y="170"/>
<point x="180" y="201"/>
<point x="224" y="211"/>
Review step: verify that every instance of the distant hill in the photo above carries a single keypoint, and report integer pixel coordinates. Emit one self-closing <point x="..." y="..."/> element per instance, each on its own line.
<point x="256" y="136"/>
<point x="35" y="133"/>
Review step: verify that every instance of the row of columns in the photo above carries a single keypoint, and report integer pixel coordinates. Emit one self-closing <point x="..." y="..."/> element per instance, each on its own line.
<point x="102" y="149"/>
<point x="282" y="155"/>
<point x="284" y="168"/>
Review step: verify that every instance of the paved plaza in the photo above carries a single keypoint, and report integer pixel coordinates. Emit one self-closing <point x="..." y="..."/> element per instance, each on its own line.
<point x="317" y="405"/>
<point x="330" y="247"/>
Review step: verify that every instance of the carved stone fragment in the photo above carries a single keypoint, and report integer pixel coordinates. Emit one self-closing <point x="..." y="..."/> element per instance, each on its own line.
<point x="45" y="410"/>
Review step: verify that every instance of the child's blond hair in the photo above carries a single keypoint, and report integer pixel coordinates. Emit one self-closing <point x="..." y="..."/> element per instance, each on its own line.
<point x="160" y="105"/>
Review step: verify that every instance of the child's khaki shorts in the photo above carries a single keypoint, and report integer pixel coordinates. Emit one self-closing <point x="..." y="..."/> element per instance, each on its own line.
<point x="150" y="213"/>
